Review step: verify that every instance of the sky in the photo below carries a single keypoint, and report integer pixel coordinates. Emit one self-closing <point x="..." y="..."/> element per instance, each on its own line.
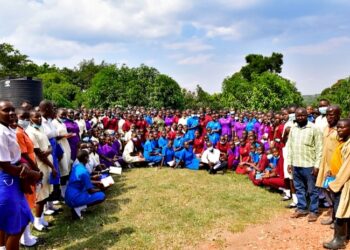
<point x="193" y="41"/>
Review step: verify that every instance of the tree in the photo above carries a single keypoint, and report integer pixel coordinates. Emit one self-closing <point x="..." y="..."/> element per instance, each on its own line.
<point x="165" y="92"/>
<point x="59" y="90"/>
<point x="258" y="64"/>
<point x="13" y="63"/>
<point x="338" y="94"/>
<point x="264" y="91"/>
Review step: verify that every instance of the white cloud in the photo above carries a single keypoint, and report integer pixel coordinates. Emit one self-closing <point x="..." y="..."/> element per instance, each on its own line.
<point x="323" y="47"/>
<point x="227" y="32"/>
<point x="239" y="4"/>
<point x="193" y="45"/>
<point x="137" y="18"/>
<point x="197" y="59"/>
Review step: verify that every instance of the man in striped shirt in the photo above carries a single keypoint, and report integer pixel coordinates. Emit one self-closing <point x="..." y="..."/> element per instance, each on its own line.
<point x="305" y="152"/>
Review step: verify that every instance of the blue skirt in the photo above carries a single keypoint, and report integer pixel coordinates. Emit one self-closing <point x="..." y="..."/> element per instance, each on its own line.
<point x="192" y="164"/>
<point x="15" y="213"/>
<point x="55" y="150"/>
<point x="77" y="198"/>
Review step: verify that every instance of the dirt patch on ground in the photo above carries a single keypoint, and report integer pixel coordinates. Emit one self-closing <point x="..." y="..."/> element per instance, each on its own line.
<point x="281" y="232"/>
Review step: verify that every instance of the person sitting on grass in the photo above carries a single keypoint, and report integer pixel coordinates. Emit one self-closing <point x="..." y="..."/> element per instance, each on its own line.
<point x="130" y="154"/>
<point x="178" y="144"/>
<point x="188" y="159"/>
<point x="244" y="156"/>
<point x="198" y="144"/>
<point x="255" y="175"/>
<point x="212" y="160"/>
<point x="150" y="153"/>
<point x="233" y="156"/>
<point x="223" y="146"/>
<point x="107" y="153"/>
<point x="273" y="175"/>
<point x="80" y="192"/>
<point x="168" y="155"/>
<point x="162" y="141"/>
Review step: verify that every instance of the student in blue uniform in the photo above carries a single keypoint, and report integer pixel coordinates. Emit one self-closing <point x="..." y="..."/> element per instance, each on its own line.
<point x="80" y="191"/>
<point x="149" y="151"/>
<point x="188" y="159"/>
<point x="162" y="141"/>
<point x="168" y="155"/>
<point x="214" y="130"/>
<point x="178" y="144"/>
<point x="193" y="124"/>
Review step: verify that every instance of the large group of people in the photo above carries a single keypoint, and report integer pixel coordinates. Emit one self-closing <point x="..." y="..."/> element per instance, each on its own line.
<point x="52" y="155"/>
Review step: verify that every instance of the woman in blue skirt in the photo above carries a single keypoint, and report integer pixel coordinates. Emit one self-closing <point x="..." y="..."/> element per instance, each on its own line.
<point x="188" y="159"/>
<point x="80" y="192"/>
<point x="14" y="209"/>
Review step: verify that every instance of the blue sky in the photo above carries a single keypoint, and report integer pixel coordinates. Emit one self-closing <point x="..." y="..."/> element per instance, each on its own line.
<point x="195" y="42"/>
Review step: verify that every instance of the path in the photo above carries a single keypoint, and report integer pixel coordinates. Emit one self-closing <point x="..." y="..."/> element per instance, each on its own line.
<point x="280" y="233"/>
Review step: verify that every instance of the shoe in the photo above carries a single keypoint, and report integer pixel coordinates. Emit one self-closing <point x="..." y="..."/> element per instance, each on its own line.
<point x="75" y="216"/>
<point x="286" y="198"/>
<point x="49" y="212"/>
<point x="291" y="205"/>
<point x="39" y="227"/>
<point x="339" y="239"/>
<point x="327" y="221"/>
<point x="299" y="213"/>
<point x="55" y="203"/>
<point x="312" y="217"/>
<point x="27" y="241"/>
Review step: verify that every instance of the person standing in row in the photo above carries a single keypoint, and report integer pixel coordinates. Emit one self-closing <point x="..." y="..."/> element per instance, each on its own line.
<point x="330" y="143"/>
<point x="340" y="187"/>
<point x="15" y="213"/>
<point x="303" y="159"/>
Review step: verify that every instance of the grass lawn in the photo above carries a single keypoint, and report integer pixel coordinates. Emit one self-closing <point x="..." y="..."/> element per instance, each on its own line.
<point x="164" y="209"/>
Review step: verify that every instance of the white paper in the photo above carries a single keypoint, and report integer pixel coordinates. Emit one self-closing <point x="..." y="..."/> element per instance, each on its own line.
<point x="108" y="181"/>
<point x="115" y="170"/>
<point x="171" y="163"/>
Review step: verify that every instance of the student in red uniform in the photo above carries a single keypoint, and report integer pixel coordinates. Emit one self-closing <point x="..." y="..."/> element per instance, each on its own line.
<point x="223" y="146"/>
<point x="274" y="175"/>
<point x="244" y="156"/>
<point x="258" y="169"/>
<point x="198" y="144"/>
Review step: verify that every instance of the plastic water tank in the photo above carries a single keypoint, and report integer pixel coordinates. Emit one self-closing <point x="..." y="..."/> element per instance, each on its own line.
<point x="21" y="89"/>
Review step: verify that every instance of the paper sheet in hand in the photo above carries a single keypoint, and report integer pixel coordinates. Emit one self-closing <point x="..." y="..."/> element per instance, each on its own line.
<point x="107" y="181"/>
<point x="171" y="163"/>
<point x="115" y="170"/>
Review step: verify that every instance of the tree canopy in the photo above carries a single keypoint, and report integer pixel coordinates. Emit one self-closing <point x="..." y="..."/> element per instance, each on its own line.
<point x="339" y="94"/>
<point x="257" y="85"/>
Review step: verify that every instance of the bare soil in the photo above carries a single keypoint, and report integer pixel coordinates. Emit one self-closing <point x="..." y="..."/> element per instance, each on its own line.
<point x="282" y="232"/>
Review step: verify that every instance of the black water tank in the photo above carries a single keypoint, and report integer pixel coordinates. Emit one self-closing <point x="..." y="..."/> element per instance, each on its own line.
<point x="21" y="89"/>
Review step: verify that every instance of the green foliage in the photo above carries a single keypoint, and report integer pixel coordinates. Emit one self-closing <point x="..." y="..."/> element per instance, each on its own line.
<point x="264" y="92"/>
<point x="200" y="98"/>
<point x="310" y="99"/>
<point x="142" y="86"/>
<point x="339" y="94"/>
<point x="165" y="92"/>
<point x="13" y="63"/>
<point x="257" y="64"/>
<point x="57" y="89"/>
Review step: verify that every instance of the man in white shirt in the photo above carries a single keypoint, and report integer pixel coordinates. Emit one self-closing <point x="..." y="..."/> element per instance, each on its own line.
<point x="211" y="159"/>
<point x="81" y="123"/>
<point x="321" y="121"/>
<point x="183" y="119"/>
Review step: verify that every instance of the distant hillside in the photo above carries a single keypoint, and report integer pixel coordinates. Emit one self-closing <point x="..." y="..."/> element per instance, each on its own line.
<point x="310" y="99"/>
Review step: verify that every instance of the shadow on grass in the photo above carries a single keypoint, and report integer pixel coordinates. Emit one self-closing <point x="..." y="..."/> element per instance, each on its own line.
<point x="102" y="240"/>
<point x="91" y="232"/>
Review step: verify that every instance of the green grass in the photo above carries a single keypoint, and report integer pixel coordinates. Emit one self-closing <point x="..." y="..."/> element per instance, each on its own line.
<point x="164" y="209"/>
